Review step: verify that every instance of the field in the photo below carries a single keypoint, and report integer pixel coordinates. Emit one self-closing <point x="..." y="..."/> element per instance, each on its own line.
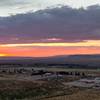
<point x="24" y="86"/>
<point x="88" y="94"/>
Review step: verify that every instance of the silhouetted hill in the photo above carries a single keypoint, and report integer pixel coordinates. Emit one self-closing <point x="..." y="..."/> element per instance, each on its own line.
<point x="89" y="60"/>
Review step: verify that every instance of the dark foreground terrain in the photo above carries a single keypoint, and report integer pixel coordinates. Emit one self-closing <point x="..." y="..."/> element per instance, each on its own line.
<point x="49" y="84"/>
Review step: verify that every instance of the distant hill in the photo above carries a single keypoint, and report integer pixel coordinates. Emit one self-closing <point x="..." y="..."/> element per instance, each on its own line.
<point x="90" y="60"/>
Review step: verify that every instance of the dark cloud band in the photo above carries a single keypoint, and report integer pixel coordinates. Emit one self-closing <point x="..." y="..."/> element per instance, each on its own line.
<point x="65" y="23"/>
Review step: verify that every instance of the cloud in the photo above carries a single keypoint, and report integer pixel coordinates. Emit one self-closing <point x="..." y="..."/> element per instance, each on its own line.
<point x="90" y="43"/>
<point x="13" y="7"/>
<point x="64" y="23"/>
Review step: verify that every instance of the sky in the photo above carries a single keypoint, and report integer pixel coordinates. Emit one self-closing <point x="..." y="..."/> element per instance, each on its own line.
<point x="38" y="28"/>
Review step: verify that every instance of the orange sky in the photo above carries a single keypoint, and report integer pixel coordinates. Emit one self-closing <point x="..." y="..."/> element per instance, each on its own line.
<point x="50" y="49"/>
<point x="47" y="51"/>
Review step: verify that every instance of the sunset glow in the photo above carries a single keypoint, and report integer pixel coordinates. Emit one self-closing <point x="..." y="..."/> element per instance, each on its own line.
<point x="50" y="49"/>
<point x="85" y="44"/>
<point x="3" y="55"/>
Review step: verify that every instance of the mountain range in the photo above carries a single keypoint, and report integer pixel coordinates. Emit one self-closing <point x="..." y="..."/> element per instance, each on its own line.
<point x="91" y="60"/>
